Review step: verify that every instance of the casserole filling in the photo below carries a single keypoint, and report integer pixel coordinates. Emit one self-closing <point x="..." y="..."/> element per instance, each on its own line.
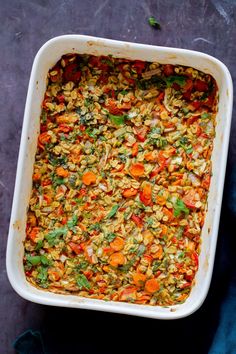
<point x="121" y="178"/>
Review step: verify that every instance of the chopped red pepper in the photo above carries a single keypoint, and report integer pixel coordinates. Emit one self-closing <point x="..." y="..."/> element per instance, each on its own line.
<point x="200" y="85"/>
<point x="138" y="221"/>
<point x="168" y="69"/>
<point x="72" y="73"/>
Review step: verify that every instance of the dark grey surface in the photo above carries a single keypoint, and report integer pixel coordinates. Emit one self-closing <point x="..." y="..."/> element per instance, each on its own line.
<point x="207" y="26"/>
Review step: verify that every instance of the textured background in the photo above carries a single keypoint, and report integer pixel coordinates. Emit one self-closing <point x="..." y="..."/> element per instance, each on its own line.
<point x="207" y="26"/>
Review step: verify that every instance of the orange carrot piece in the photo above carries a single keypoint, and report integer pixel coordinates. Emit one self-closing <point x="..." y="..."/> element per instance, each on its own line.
<point x="189" y="199"/>
<point x="129" y="293"/>
<point x="151" y="156"/>
<point x="159" y="253"/>
<point x="44" y="138"/>
<point x="147" y="191"/>
<point x="36" y="176"/>
<point x="89" y="178"/>
<point x="135" y="149"/>
<point x="117" y="244"/>
<point x="33" y="234"/>
<point x="168" y="213"/>
<point x="125" y="106"/>
<point x="164" y="230"/>
<point x="61" y="172"/>
<point x="139" y="279"/>
<point x="129" y="192"/>
<point x="137" y="169"/>
<point x="75" y="247"/>
<point x="117" y="259"/>
<point x="160" y="200"/>
<point x="152" y="285"/>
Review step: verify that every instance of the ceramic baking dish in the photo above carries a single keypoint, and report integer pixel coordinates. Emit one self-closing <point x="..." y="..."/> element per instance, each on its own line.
<point x="47" y="56"/>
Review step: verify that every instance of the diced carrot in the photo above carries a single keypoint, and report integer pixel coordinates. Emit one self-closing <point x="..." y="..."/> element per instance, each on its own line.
<point x="160" y="200"/>
<point x="106" y="269"/>
<point x="117" y="259"/>
<point x="54" y="275"/>
<point x="160" y="97"/>
<point x="47" y="198"/>
<point x="89" y="178"/>
<point x="139" y="279"/>
<point x="129" y="192"/>
<point x="164" y="230"/>
<point x="43" y="139"/>
<point x="159" y="253"/>
<point x="129" y="293"/>
<point x="206" y="181"/>
<point x="152" y="285"/>
<point x="62" y="172"/>
<point x="88" y="274"/>
<point x="189" y="199"/>
<point x="147" y="237"/>
<point x="76" y="247"/>
<point x="33" y="233"/>
<point x="182" y="297"/>
<point x="168" y="213"/>
<point x="135" y="149"/>
<point x="113" y="109"/>
<point x="151" y="156"/>
<point x="117" y="244"/>
<point x="36" y="176"/>
<point x="137" y="169"/>
<point x="125" y="106"/>
<point x="146" y="195"/>
<point x="107" y="250"/>
<point x="64" y="220"/>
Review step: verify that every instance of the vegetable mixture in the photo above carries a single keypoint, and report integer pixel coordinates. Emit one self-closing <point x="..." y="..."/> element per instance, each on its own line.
<point x="121" y="178"/>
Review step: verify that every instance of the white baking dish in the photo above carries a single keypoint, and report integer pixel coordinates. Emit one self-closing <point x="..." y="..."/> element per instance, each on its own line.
<point x="47" y="56"/>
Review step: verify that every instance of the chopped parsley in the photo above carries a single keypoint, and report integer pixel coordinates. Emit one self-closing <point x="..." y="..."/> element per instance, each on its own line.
<point x="83" y="282"/>
<point x="180" y="207"/>
<point x="153" y="23"/>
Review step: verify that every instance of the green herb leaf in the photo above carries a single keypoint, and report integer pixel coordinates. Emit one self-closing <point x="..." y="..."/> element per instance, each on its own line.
<point x="156" y="264"/>
<point x="125" y="268"/>
<point x="205" y="115"/>
<point x="83" y="282"/>
<point x="117" y="120"/>
<point x="123" y="92"/>
<point x="185" y="111"/>
<point x="189" y="150"/>
<point x="92" y="132"/>
<point x="39" y="245"/>
<point x="175" y="79"/>
<point x="95" y="226"/>
<point x="110" y="236"/>
<point x="58" y="180"/>
<point x="52" y="236"/>
<point x="72" y="222"/>
<point x="141" y="250"/>
<point x="34" y="260"/>
<point x="44" y="116"/>
<point x="44" y="260"/>
<point x="180" y="207"/>
<point x="153" y="22"/>
<point x="81" y="266"/>
<point x="42" y="276"/>
<point x="113" y="211"/>
<point x="108" y="62"/>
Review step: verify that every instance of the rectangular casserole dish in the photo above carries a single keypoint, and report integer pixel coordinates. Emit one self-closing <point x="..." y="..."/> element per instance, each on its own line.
<point x="47" y="56"/>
